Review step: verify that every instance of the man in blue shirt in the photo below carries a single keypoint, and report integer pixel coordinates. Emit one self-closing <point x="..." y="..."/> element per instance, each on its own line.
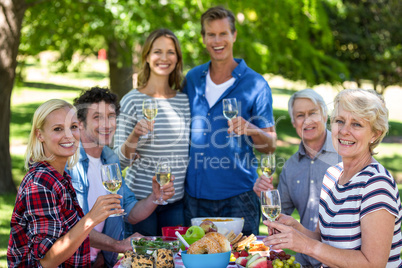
<point x="301" y="178"/>
<point x="222" y="170"/>
<point x="97" y="110"/>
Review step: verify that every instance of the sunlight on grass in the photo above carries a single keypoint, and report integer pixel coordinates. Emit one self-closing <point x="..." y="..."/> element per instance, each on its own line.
<point x="6" y="209"/>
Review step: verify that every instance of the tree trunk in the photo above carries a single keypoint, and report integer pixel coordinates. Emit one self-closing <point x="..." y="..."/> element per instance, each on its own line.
<point x="120" y="69"/>
<point x="11" y="16"/>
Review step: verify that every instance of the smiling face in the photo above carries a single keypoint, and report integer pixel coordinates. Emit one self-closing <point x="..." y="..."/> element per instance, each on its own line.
<point x="351" y="136"/>
<point x="100" y="125"/>
<point x="162" y="57"/>
<point x="309" y="121"/>
<point x="60" y="135"/>
<point x="219" y="39"/>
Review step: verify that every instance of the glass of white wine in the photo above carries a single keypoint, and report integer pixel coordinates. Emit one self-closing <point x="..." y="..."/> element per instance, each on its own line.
<point x="112" y="180"/>
<point x="268" y="164"/>
<point x="149" y="110"/>
<point x="163" y="173"/>
<point x="271" y="204"/>
<point x="230" y="111"/>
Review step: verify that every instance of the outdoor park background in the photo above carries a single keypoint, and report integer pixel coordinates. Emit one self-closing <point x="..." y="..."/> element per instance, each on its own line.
<point x="295" y="46"/>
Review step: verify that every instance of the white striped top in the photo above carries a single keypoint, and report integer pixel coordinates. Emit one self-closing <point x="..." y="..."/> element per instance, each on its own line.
<point x="343" y="206"/>
<point x="170" y="141"/>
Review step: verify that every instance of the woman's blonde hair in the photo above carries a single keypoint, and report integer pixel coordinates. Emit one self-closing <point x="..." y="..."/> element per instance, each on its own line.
<point x="176" y="76"/>
<point x="35" y="151"/>
<point x="365" y="104"/>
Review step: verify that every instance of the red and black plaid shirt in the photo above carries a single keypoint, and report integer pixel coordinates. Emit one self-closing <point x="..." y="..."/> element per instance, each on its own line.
<point x="46" y="208"/>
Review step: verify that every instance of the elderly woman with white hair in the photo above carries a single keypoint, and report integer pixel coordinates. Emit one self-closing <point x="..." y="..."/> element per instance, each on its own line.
<point x="360" y="209"/>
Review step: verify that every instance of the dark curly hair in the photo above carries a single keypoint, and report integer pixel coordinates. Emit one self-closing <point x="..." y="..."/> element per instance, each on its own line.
<point x="94" y="95"/>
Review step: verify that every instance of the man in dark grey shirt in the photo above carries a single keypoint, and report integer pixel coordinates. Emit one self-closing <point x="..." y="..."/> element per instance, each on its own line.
<point x="301" y="178"/>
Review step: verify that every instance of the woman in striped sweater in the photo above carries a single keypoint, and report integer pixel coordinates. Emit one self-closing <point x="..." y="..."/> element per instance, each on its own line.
<point x="360" y="208"/>
<point x="160" y="79"/>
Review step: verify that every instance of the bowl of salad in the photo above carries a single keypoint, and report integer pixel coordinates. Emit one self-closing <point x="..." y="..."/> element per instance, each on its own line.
<point x="146" y="245"/>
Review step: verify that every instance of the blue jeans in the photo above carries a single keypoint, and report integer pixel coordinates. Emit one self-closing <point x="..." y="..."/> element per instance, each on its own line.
<point x="168" y="215"/>
<point x="245" y="205"/>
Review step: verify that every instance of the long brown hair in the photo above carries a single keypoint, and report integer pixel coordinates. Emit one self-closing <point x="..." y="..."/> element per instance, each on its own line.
<point x="175" y="77"/>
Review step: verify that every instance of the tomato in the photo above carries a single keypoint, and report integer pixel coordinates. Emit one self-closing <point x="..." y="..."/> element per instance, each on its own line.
<point x="243" y="253"/>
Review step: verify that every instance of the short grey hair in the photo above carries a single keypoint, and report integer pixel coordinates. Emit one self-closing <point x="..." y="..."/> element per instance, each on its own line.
<point x="367" y="105"/>
<point x="310" y="94"/>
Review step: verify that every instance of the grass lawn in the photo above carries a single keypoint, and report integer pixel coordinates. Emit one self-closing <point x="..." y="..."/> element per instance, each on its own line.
<point x="42" y="85"/>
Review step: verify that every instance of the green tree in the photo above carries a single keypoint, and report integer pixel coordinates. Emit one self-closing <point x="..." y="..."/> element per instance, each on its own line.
<point x="368" y="40"/>
<point x="283" y="37"/>
<point x="288" y="38"/>
<point x="11" y="16"/>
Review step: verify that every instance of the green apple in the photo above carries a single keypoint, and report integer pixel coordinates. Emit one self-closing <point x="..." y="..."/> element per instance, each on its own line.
<point x="194" y="232"/>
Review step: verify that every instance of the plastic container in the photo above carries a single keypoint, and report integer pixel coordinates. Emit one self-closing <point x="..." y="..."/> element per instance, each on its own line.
<point x="148" y="248"/>
<point x="171" y="230"/>
<point x="217" y="260"/>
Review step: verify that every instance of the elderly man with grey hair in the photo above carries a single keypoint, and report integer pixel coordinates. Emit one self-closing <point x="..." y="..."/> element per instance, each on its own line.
<point x="301" y="177"/>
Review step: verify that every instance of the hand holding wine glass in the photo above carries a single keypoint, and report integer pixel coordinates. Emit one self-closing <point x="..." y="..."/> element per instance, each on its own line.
<point x="271" y="204"/>
<point x="112" y="180"/>
<point x="230" y="111"/>
<point x="149" y="110"/>
<point x="163" y="175"/>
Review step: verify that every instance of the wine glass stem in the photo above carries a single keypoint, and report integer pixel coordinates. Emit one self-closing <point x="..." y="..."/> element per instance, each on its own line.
<point x="161" y="197"/>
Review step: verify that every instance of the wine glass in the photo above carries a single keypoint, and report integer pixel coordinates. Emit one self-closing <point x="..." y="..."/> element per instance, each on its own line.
<point x="230" y="111"/>
<point x="268" y="164"/>
<point x="271" y="204"/>
<point x="112" y="180"/>
<point x="163" y="173"/>
<point x="149" y="110"/>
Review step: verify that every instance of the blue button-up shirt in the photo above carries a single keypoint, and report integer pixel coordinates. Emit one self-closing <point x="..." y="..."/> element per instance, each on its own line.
<point x="113" y="225"/>
<point x="222" y="167"/>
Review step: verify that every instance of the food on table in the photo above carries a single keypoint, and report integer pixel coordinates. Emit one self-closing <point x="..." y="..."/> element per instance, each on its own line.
<point x="258" y="263"/>
<point x="257" y="247"/>
<point x="232" y="257"/>
<point x="285" y="263"/>
<point x="244" y="242"/>
<point x="129" y="254"/>
<point x="218" y="220"/>
<point x="233" y="238"/>
<point x="275" y="260"/>
<point x="128" y="259"/>
<point x="211" y="243"/>
<point x="148" y="246"/>
<point x="163" y="258"/>
<point x="208" y="226"/>
<point x="242" y="261"/>
<point x="205" y="245"/>
<point x="223" y="224"/>
<point x="194" y="232"/>
<point x="142" y="261"/>
<point x="221" y="239"/>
